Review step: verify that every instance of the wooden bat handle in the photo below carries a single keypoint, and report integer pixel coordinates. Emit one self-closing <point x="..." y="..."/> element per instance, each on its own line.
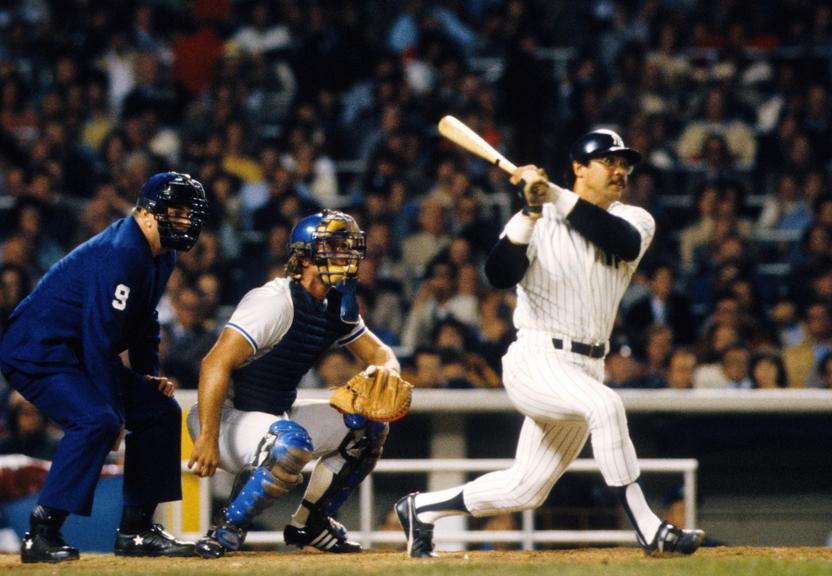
<point x="459" y="133"/>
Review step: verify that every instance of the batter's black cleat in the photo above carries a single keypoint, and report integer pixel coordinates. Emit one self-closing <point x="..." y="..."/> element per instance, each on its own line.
<point x="419" y="534"/>
<point x="671" y="539"/>
<point x="322" y="533"/>
<point x="154" y="542"/>
<point x="46" y="544"/>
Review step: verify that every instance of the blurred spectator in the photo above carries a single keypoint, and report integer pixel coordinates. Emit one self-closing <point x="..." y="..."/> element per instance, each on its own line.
<point x="425" y="368"/>
<point x="496" y="331"/>
<point x="784" y="316"/>
<point x="680" y="369"/>
<point x="14" y="287"/>
<point x="382" y="300"/>
<point x="825" y="371"/>
<point x="283" y="204"/>
<point x="665" y="305"/>
<point x="431" y="304"/>
<point x="381" y="247"/>
<point x="717" y="116"/>
<point x="420" y="247"/>
<point x="187" y="339"/>
<point x="731" y="372"/>
<point x="451" y="335"/>
<point x="786" y="208"/>
<point x="264" y="32"/>
<point x="620" y="367"/>
<point x="464" y="304"/>
<point x="718" y="208"/>
<point x="767" y="371"/>
<point x="28" y="222"/>
<point x="334" y="369"/>
<point x="658" y="345"/>
<point x="29" y="431"/>
<point x="801" y="360"/>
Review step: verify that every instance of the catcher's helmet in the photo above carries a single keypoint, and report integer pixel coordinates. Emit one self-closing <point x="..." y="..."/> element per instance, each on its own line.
<point x="162" y="195"/>
<point x="602" y="142"/>
<point x="332" y="240"/>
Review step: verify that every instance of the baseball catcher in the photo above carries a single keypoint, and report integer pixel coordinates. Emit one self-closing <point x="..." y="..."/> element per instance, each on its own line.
<point x="247" y="421"/>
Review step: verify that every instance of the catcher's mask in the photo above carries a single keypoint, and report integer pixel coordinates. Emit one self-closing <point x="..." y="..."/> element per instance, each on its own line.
<point x="179" y="205"/>
<point x="333" y="242"/>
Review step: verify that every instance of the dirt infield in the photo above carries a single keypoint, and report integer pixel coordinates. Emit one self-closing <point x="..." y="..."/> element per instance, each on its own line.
<point x="733" y="561"/>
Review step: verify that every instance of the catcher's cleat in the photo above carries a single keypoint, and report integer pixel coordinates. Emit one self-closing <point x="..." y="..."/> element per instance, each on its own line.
<point x="219" y="540"/>
<point x="208" y="547"/>
<point x="154" y="542"/>
<point x="670" y="539"/>
<point x="322" y="533"/>
<point x="45" y="544"/>
<point x="419" y="534"/>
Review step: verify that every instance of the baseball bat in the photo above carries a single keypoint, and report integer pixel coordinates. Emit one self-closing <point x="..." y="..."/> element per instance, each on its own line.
<point x="459" y="133"/>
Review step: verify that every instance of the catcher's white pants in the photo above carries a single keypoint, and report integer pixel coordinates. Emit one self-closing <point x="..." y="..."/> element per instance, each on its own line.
<point x="564" y="400"/>
<point x="241" y="432"/>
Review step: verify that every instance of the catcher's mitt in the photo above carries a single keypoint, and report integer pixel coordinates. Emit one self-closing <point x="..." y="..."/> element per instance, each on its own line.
<point x="377" y="393"/>
<point x="535" y="191"/>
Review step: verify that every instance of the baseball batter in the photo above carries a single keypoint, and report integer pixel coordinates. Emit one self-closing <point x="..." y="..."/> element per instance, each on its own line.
<point x="571" y="255"/>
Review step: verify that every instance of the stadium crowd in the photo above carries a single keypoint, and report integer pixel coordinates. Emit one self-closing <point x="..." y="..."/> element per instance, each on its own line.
<point x="284" y="107"/>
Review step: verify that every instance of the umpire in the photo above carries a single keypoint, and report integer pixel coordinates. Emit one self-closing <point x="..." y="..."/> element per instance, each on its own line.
<point x="61" y="351"/>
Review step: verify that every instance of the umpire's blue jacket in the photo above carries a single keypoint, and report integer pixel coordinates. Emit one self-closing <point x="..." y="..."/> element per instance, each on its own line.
<point x="61" y="351"/>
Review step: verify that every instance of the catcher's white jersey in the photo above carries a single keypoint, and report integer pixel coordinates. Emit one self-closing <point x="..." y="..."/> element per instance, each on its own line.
<point x="265" y="314"/>
<point x="571" y="290"/>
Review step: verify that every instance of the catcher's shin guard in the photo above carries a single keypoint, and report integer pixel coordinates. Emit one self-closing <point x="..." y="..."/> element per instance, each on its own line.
<point x="281" y="456"/>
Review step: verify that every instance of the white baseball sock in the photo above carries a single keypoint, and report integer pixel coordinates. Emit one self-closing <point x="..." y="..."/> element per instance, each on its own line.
<point x="318" y="483"/>
<point x="644" y="520"/>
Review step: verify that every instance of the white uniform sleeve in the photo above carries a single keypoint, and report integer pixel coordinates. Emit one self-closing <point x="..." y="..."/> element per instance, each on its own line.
<point x="264" y="315"/>
<point x="641" y="220"/>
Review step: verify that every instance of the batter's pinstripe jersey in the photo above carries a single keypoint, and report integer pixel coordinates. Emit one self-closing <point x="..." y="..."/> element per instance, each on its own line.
<point x="572" y="288"/>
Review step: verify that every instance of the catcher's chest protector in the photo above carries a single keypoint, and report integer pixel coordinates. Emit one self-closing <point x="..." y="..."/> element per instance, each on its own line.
<point x="270" y="383"/>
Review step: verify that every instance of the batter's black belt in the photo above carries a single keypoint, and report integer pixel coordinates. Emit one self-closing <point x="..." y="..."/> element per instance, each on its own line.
<point x="591" y="350"/>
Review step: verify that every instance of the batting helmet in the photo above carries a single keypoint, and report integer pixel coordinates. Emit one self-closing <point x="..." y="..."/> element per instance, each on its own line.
<point x="602" y="142"/>
<point x="165" y="192"/>
<point x="332" y="240"/>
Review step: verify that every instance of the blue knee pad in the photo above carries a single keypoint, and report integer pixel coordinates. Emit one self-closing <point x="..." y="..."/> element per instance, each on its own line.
<point x="287" y="446"/>
<point x="292" y="446"/>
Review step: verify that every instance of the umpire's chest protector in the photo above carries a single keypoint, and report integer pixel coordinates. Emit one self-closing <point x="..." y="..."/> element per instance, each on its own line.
<point x="270" y="383"/>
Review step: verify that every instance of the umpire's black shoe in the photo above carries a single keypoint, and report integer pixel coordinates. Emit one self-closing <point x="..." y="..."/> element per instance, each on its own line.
<point x="44" y="544"/>
<point x="671" y="539"/>
<point x="419" y="534"/>
<point x="322" y="533"/>
<point x="152" y="542"/>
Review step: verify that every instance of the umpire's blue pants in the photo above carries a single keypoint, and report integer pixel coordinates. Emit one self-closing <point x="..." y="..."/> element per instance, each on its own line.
<point x="91" y="426"/>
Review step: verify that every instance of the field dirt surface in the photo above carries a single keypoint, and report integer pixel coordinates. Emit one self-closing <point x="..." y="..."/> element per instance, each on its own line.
<point x="733" y="561"/>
